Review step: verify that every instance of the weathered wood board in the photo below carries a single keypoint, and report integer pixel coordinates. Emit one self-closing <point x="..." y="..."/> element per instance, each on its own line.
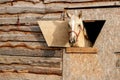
<point x="37" y="65"/>
<point x="33" y="1"/>
<point x="70" y="1"/>
<point x="28" y="76"/>
<point x="27" y="18"/>
<point x="81" y="50"/>
<point x="55" y="33"/>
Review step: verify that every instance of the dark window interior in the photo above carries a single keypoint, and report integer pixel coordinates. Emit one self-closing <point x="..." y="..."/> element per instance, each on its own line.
<point x="93" y="29"/>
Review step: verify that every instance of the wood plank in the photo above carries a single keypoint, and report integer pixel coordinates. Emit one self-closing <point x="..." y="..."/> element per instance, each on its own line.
<point x="33" y="20"/>
<point x="30" y="28"/>
<point x="6" y="1"/>
<point x="74" y="1"/>
<point x="82" y="5"/>
<point x="42" y="44"/>
<point x="30" y="53"/>
<point x="29" y="3"/>
<point x="54" y="10"/>
<point x="14" y="10"/>
<point x="46" y="71"/>
<point x="30" y="69"/>
<point x="28" y="18"/>
<point x="68" y="1"/>
<point x="8" y="15"/>
<point x="81" y="50"/>
<point x="8" y="20"/>
<point x="41" y="16"/>
<point x="20" y="36"/>
<point x="33" y="1"/>
<point x="51" y="1"/>
<point x="31" y="61"/>
<point x="42" y="51"/>
<point x="24" y="45"/>
<point x="4" y="5"/>
<point x="28" y="76"/>
<point x="28" y="9"/>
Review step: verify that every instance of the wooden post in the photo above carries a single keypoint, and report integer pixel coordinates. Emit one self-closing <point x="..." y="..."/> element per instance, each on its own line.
<point x="76" y="62"/>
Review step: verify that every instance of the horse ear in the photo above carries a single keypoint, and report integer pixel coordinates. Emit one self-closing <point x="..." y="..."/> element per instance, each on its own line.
<point x="68" y="15"/>
<point x="80" y="14"/>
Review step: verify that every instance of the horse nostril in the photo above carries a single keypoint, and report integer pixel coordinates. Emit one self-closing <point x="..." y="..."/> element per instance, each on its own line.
<point x="72" y="41"/>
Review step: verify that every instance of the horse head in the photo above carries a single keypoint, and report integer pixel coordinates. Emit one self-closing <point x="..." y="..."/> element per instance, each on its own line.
<point x="75" y="25"/>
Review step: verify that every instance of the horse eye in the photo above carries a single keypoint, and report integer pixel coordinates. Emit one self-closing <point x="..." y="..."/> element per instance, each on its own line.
<point x="79" y="25"/>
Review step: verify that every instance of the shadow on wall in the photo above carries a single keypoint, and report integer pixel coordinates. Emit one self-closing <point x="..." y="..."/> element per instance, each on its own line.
<point x="93" y="28"/>
<point x="59" y="38"/>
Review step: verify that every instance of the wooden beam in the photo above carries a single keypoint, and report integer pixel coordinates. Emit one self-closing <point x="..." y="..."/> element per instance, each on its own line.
<point x="23" y="52"/>
<point x="20" y="36"/>
<point x="31" y="61"/>
<point x="6" y="1"/>
<point x="67" y="1"/>
<point x="81" y="50"/>
<point x="32" y="19"/>
<point x="30" y="28"/>
<point x="28" y="76"/>
<point x="30" y="69"/>
<point x="40" y="9"/>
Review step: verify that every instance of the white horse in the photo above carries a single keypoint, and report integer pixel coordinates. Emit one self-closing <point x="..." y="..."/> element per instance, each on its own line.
<point x="77" y="33"/>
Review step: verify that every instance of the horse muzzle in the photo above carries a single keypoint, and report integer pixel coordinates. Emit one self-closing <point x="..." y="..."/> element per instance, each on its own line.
<point x="72" y="41"/>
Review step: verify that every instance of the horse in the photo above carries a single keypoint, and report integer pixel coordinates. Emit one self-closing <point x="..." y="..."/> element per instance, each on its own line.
<point x="77" y="32"/>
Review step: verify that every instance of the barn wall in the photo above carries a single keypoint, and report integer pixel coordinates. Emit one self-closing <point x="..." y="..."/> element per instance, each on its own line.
<point x="105" y="64"/>
<point x="24" y="54"/>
